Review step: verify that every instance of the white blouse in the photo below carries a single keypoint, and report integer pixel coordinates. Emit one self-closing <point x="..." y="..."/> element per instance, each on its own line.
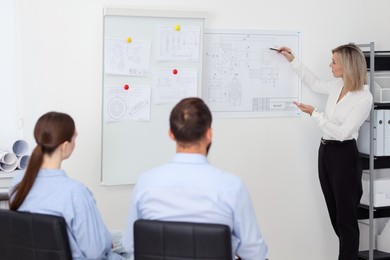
<point x="341" y="120"/>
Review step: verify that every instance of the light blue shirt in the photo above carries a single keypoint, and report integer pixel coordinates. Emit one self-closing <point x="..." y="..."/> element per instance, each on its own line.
<point x="55" y="194"/>
<point x="189" y="189"/>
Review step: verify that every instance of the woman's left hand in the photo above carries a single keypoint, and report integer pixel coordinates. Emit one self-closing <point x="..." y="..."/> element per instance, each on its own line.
<point x="304" y="107"/>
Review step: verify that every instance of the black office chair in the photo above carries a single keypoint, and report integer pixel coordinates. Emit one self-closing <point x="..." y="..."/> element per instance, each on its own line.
<point x="30" y="236"/>
<point x="160" y="240"/>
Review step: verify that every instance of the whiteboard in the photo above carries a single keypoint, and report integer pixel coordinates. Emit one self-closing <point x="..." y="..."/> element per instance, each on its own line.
<point x="243" y="77"/>
<point x="135" y="137"/>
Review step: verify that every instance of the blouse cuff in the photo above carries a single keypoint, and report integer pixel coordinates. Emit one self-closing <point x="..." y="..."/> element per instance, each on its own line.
<point x="314" y="114"/>
<point x="294" y="63"/>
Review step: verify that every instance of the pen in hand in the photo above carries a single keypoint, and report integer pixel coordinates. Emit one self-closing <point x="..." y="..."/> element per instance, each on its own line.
<point x="273" y="49"/>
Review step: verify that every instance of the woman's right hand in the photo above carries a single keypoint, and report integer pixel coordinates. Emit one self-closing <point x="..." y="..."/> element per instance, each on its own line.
<point x="286" y="52"/>
<point x="305" y="107"/>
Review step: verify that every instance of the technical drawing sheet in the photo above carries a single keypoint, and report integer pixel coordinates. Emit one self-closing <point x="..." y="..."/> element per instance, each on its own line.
<point x="242" y="77"/>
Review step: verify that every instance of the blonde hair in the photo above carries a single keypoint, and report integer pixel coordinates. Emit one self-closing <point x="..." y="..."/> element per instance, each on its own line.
<point x="354" y="66"/>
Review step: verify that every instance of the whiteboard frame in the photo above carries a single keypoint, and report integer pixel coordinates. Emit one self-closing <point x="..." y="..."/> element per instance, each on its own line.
<point x="118" y="11"/>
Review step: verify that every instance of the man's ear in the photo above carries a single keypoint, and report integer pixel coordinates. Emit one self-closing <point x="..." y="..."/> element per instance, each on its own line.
<point x="171" y="135"/>
<point x="209" y="134"/>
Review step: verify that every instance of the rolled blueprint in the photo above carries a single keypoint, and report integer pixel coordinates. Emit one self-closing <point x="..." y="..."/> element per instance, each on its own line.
<point x="20" y="148"/>
<point x="23" y="162"/>
<point x="7" y="157"/>
<point x="8" y="167"/>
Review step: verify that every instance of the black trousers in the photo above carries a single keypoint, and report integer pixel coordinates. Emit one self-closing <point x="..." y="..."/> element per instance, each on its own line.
<point x="340" y="174"/>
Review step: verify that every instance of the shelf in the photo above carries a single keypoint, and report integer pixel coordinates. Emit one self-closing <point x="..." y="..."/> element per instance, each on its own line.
<point x="3" y="194"/>
<point x="380" y="162"/>
<point x="379" y="212"/>
<point x="5" y="175"/>
<point x="378" y="255"/>
<point x="3" y="197"/>
<point x="381" y="62"/>
<point x="379" y="105"/>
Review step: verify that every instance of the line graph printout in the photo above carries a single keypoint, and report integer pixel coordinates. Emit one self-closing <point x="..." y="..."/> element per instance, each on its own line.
<point x="242" y="77"/>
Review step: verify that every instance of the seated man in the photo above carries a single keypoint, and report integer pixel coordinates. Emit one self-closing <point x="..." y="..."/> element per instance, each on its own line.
<point x="189" y="189"/>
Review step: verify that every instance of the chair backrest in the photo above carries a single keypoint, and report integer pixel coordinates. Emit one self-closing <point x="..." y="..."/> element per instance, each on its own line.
<point x="33" y="236"/>
<point x="160" y="240"/>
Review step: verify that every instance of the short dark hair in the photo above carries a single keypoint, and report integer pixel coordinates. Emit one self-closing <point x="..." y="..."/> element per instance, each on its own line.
<point x="189" y="120"/>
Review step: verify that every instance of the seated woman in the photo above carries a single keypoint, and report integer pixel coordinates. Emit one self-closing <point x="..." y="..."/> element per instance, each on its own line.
<point x="45" y="188"/>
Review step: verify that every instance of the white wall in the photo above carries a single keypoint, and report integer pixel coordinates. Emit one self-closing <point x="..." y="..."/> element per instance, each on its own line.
<point x="61" y="69"/>
<point x="8" y="89"/>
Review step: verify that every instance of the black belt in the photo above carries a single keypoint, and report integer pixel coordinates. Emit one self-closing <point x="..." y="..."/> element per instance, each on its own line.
<point x="326" y="142"/>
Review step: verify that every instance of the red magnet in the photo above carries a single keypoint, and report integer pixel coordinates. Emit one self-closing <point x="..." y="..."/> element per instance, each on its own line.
<point x="126" y="87"/>
<point x="174" y="71"/>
